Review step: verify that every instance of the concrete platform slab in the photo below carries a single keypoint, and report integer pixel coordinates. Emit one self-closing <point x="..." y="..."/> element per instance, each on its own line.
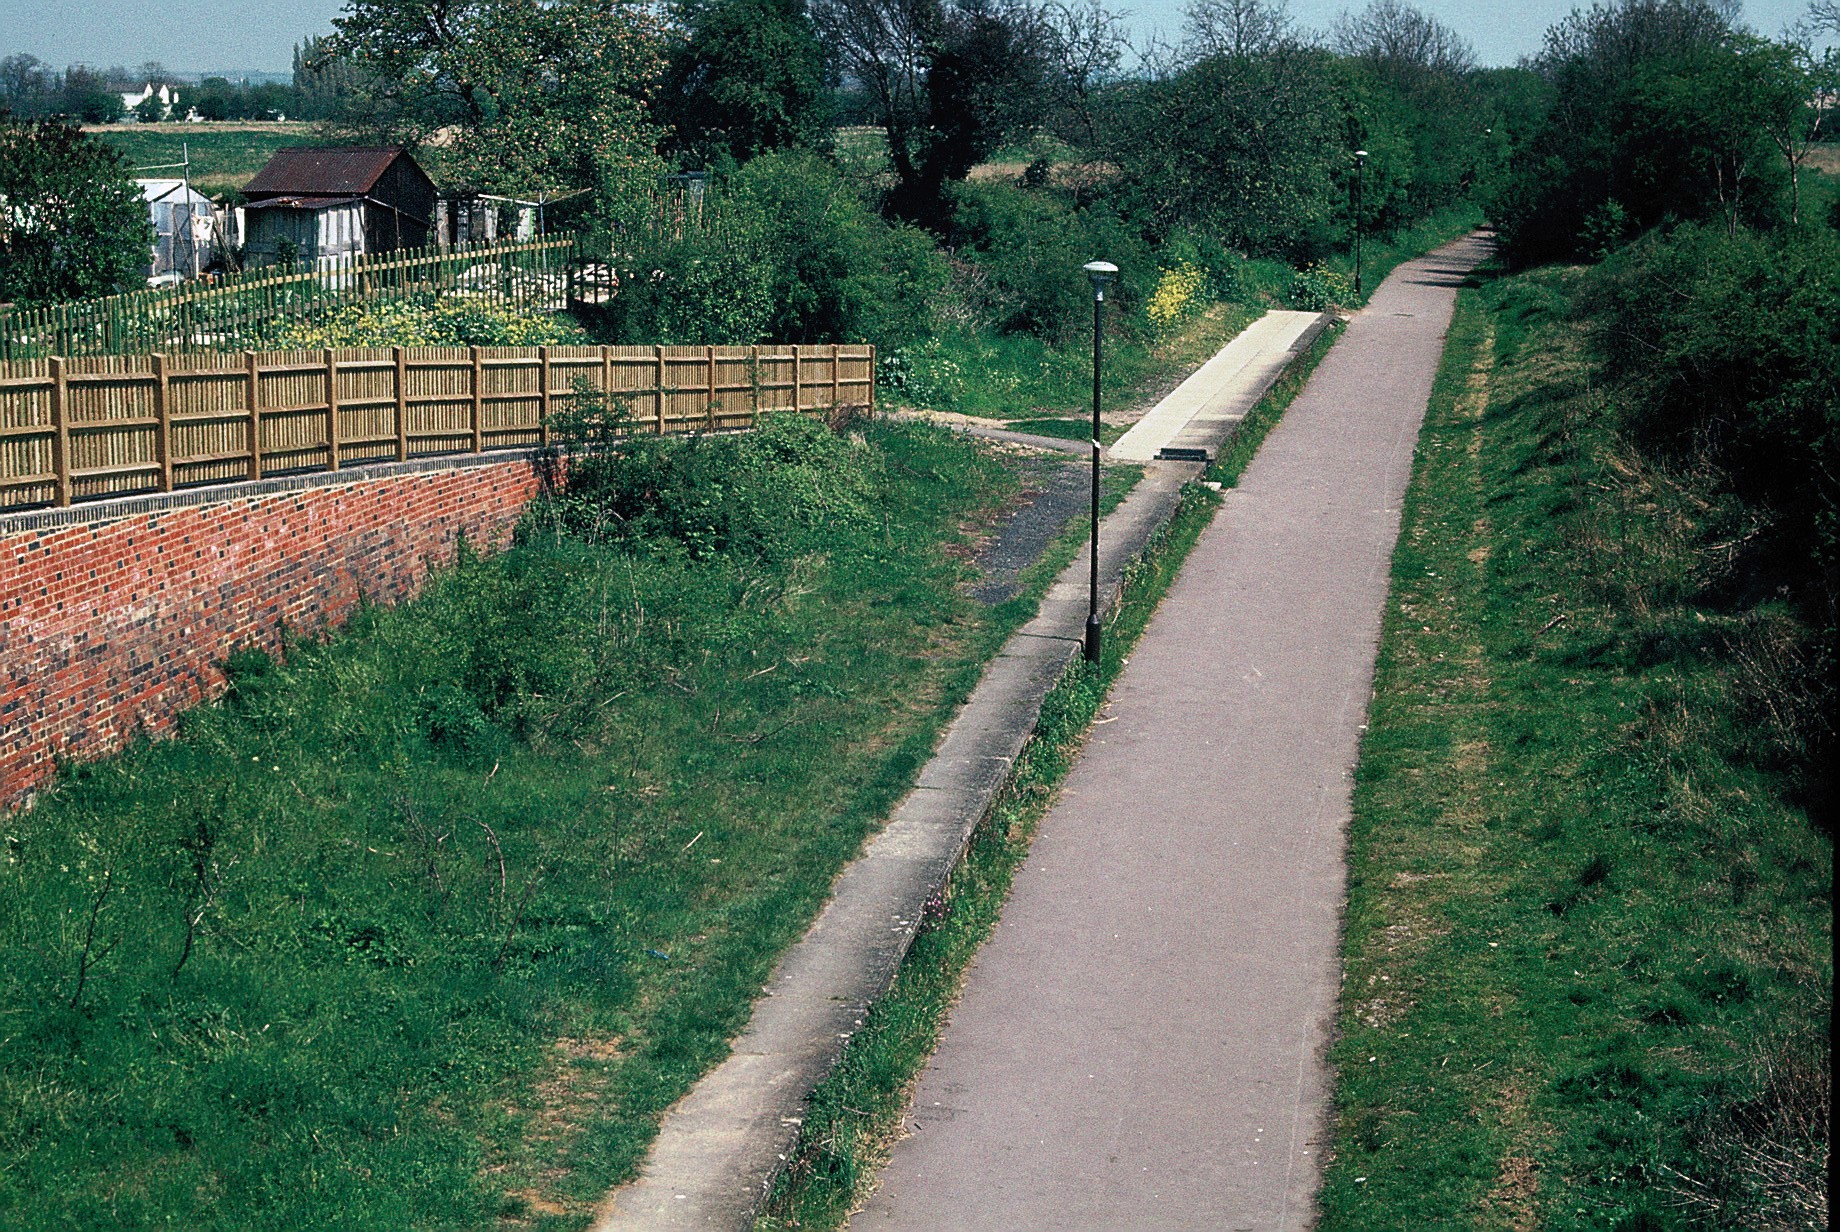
<point x="1198" y="413"/>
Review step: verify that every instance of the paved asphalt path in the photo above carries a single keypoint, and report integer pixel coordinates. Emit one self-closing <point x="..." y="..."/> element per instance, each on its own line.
<point x="1140" y="1044"/>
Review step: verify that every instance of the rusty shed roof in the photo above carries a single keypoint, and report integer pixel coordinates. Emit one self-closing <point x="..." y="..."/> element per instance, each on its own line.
<point x="319" y="171"/>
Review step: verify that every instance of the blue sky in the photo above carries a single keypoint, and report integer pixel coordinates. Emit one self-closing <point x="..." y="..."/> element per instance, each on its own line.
<point x="190" y="35"/>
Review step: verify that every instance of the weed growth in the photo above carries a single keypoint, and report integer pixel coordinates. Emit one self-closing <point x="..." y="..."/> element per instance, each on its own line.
<point x="426" y="924"/>
<point x="1588" y="943"/>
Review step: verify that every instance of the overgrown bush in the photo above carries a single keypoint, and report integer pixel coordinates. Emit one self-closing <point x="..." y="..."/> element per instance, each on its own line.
<point x="709" y="285"/>
<point x="1725" y="350"/>
<point x="427" y="321"/>
<point x="1026" y="249"/>
<point x="1728" y="348"/>
<point x="840" y="274"/>
<point x="759" y="494"/>
<point x="1318" y="288"/>
<point x="925" y="374"/>
<point x="784" y="252"/>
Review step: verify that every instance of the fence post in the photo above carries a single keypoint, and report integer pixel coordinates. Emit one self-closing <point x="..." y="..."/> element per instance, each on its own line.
<point x="479" y="401"/>
<point x="543" y="395"/>
<point x="162" y="427"/>
<point x="870" y="399"/>
<point x="332" y="411"/>
<point x="836" y="379"/>
<point x="253" y="395"/>
<point x="658" y="387"/>
<point x="402" y="403"/>
<point x="60" y="432"/>
<point x="798" y="380"/>
<point x="709" y="355"/>
<point x="754" y="384"/>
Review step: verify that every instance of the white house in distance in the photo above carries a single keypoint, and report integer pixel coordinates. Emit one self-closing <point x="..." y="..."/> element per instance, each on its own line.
<point x="184" y="240"/>
<point x="166" y="95"/>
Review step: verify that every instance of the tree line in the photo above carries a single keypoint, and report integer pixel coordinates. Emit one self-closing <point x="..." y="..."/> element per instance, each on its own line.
<point x="32" y="89"/>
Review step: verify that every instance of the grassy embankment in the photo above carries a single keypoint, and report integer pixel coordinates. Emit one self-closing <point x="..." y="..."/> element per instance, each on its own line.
<point x="854" y="1118"/>
<point x="426" y="927"/>
<point x="224" y="156"/>
<point x="1588" y="963"/>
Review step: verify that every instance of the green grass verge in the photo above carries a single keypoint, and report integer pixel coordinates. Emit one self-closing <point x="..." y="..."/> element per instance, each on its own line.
<point x="1068" y="429"/>
<point x="854" y="1117"/>
<point x="425" y="927"/>
<point x="1588" y="946"/>
<point x="1020" y="376"/>
<point x="223" y="158"/>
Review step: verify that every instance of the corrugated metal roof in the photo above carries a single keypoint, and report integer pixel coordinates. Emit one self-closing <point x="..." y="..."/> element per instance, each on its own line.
<point x="316" y="171"/>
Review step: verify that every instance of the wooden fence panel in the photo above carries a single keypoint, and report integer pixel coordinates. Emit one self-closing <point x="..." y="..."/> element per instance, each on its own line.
<point x="99" y="426"/>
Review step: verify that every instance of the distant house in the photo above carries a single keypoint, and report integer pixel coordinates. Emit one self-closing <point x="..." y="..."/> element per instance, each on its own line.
<point x="324" y="206"/>
<point x="132" y="99"/>
<point x="183" y="231"/>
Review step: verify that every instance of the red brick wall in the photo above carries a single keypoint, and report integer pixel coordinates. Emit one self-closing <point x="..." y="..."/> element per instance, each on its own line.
<point x="117" y="622"/>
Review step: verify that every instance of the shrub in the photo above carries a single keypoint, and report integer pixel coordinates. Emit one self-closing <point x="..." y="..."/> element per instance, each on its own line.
<point x="788" y="253"/>
<point x="840" y="274"/>
<point x="1027" y="249"/>
<point x="924" y="373"/>
<point x="1180" y="294"/>
<point x="1318" y="289"/>
<point x="760" y="493"/>
<point x="1730" y="349"/>
<point x="427" y="321"/>
<point x="711" y="286"/>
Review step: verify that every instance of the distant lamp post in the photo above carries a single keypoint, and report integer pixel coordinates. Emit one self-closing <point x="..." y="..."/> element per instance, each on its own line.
<point x="1101" y="273"/>
<point x="1360" y="163"/>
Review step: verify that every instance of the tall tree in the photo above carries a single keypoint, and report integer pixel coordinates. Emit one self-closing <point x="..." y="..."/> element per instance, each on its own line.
<point x="746" y="76"/>
<point x="72" y="223"/>
<point x="1661" y="110"/>
<point x="526" y="96"/>
<point x="1087" y="43"/>
<point x="1402" y="43"/>
<point x="1242" y="140"/>
<point x="25" y="83"/>
<point x="1239" y="28"/>
<point x="1413" y="106"/>
<point x="949" y="81"/>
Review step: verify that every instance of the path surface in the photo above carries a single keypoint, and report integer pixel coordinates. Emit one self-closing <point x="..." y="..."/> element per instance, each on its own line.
<point x="1140" y="1043"/>
<point x="720" y="1146"/>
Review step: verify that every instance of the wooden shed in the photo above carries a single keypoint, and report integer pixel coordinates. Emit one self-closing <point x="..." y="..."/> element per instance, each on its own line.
<point x="333" y="203"/>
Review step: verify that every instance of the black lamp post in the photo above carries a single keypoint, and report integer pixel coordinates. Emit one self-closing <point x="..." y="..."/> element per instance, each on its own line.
<point x="1360" y="162"/>
<point x="1101" y="273"/>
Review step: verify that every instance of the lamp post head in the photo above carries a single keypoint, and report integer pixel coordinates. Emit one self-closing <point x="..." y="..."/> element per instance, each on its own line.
<point x="1101" y="273"/>
<point x="1360" y="156"/>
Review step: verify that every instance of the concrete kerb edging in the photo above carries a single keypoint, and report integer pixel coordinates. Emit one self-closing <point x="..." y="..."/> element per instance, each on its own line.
<point x="724" y="1143"/>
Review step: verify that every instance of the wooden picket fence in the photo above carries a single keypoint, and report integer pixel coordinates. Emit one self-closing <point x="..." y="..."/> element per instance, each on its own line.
<point x="74" y="429"/>
<point x="242" y="310"/>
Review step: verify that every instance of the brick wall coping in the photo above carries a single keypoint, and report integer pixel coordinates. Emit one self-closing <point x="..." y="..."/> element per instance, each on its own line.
<point x="156" y="502"/>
